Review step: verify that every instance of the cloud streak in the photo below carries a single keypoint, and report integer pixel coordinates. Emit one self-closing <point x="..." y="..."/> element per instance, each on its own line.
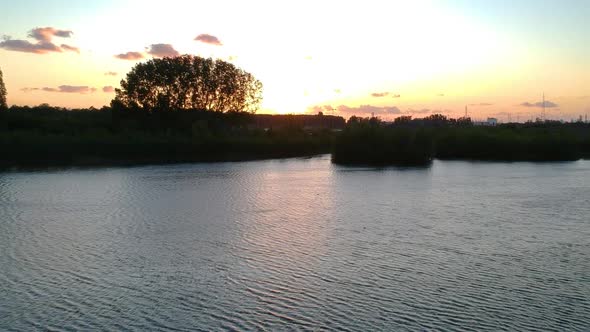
<point x="70" y="48"/>
<point x="385" y="94"/>
<point x="111" y="73"/>
<point x="108" y="89"/>
<point x="46" y="34"/>
<point x="208" y="39"/>
<point x="321" y="108"/>
<point x="43" y="44"/>
<point x="369" y="109"/>
<point x="27" y="90"/>
<point x="130" y="56"/>
<point x="420" y="111"/>
<point x="162" y="51"/>
<point x="548" y="104"/>
<point x="362" y="110"/>
<point x="26" y="46"/>
<point x="81" y="89"/>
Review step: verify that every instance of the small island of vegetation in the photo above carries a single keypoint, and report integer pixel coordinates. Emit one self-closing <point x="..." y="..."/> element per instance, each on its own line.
<point x="408" y="141"/>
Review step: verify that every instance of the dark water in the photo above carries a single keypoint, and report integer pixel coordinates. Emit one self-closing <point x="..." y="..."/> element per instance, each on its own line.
<point x="297" y="245"/>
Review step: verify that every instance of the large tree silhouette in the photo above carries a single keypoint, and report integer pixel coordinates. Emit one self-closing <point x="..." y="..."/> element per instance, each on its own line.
<point x="3" y="104"/>
<point x="189" y="82"/>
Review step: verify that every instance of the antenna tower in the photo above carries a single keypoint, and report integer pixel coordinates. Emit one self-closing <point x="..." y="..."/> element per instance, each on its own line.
<point x="543" y="106"/>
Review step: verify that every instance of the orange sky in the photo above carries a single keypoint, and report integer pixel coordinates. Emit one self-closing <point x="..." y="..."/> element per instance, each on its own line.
<point x="390" y="58"/>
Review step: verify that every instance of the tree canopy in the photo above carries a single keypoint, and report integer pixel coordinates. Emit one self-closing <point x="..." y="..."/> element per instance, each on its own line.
<point x="3" y="104"/>
<point x="189" y="82"/>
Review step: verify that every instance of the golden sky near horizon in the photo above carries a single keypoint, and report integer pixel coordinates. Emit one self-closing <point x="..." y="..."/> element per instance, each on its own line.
<point x="390" y="58"/>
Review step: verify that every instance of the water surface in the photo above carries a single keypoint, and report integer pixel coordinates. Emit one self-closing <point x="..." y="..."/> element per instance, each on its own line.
<point x="297" y="244"/>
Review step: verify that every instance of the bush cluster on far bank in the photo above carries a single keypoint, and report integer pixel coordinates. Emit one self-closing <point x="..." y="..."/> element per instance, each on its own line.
<point x="418" y="141"/>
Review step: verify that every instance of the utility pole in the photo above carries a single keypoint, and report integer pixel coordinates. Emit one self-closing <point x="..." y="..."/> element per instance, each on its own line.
<point x="543" y="106"/>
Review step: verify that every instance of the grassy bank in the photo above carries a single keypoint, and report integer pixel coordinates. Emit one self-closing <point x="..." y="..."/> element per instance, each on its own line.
<point x="23" y="148"/>
<point x="45" y="136"/>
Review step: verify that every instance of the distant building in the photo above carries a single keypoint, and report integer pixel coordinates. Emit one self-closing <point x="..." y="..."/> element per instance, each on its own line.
<point x="491" y="122"/>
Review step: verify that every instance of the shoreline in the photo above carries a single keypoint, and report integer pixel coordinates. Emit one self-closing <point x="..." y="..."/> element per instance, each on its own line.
<point x="97" y="162"/>
<point x="101" y="163"/>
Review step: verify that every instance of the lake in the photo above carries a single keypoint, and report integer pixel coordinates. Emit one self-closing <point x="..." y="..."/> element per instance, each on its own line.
<point x="297" y="244"/>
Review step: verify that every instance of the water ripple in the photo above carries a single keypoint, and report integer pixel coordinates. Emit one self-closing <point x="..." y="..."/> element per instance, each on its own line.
<point x="296" y="245"/>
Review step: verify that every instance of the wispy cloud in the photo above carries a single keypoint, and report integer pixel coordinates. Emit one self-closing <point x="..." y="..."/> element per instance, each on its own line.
<point x="208" y="39"/>
<point x="368" y="110"/>
<point x="548" y="104"/>
<point x="43" y="44"/>
<point x="481" y="104"/>
<point x="70" y="48"/>
<point x="26" y="46"/>
<point x="130" y="56"/>
<point x="27" y="90"/>
<point x="76" y="89"/>
<point x="321" y="108"/>
<point x="82" y="89"/>
<point x="420" y="111"/>
<point x="46" y="34"/>
<point x="385" y="94"/>
<point x="162" y="51"/>
<point x="362" y="110"/>
<point x="111" y="73"/>
<point x="108" y="89"/>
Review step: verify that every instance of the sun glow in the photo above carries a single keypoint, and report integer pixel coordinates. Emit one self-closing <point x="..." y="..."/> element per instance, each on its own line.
<point x="307" y="53"/>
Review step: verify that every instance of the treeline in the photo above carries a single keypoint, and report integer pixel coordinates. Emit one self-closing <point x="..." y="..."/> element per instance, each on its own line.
<point x="418" y="141"/>
<point x="45" y="135"/>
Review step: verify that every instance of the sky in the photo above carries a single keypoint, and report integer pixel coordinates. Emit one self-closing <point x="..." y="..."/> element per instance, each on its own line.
<point x="389" y="58"/>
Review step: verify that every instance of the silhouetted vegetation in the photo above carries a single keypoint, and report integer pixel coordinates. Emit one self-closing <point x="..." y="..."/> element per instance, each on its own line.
<point x="45" y="135"/>
<point x="3" y="104"/>
<point x="417" y="141"/>
<point x="368" y="141"/>
<point x="193" y="109"/>
<point x="177" y="109"/>
<point x="188" y="82"/>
